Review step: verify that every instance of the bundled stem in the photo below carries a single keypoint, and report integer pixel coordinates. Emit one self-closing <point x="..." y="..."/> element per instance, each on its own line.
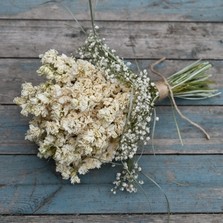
<point x="192" y="82"/>
<point x="189" y="83"/>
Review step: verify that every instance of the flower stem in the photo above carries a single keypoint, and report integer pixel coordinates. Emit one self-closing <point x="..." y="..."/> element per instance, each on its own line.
<point x="92" y="16"/>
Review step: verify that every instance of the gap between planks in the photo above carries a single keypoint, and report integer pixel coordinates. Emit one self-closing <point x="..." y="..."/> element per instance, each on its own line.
<point x="131" y="218"/>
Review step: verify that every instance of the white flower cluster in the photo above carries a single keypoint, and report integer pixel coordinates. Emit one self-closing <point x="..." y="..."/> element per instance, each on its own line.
<point x="91" y="111"/>
<point x="79" y="115"/>
<point x="143" y="95"/>
<point x="126" y="180"/>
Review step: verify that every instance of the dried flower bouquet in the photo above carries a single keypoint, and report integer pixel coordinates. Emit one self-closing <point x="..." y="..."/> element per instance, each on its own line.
<point x="95" y="110"/>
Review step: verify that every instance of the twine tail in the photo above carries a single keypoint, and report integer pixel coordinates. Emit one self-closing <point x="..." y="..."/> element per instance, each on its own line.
<point x="170" y="93"/>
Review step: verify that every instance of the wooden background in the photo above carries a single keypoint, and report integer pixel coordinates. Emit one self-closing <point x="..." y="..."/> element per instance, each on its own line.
<point x="191" y="175"/>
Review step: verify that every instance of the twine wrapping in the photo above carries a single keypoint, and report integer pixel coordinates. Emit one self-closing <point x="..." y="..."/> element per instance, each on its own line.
<point x="165" y="91"/>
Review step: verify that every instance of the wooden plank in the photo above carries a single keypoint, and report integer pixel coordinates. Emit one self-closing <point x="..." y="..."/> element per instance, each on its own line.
<point x="14" y="72"/>
<point x="29" y="38"/>
<point x="95" y="199"/>
<point x="133" y="218"/>
<point x="13" y="127"/>
<point x="193" y="184"/>
<point x="166" y="170"/>
<point x="141" y="10"/>
<point x="27" y="169"/>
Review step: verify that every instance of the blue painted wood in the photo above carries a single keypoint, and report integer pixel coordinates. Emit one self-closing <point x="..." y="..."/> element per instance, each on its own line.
<point x="145" y="40"/>
<point x="24" y="199"/>
<point x="174" y="169"/>
<point x="13" y="127"/>
<point x="27" y="169"/>
<point x="200" y="10"/>
<point x="192" y="184"/>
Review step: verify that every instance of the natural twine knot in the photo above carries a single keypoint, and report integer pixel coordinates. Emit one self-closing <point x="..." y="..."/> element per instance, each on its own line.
<point x="165" y="90"/>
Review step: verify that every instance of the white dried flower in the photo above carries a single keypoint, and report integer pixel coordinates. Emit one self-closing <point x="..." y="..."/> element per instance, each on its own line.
<point x="78" y="113"/>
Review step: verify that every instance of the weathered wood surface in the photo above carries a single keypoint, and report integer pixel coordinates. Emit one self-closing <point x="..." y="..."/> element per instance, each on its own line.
<point x="191" y="176"/>
<point x="174" y="40"/>
<point x="13" y="127"/>
<point x="131" y="10"/>
<point x="198" y="170"/>
<point x="180" y="218"/>
<point x="31" y="186"/>
<point x="24" y="70"/>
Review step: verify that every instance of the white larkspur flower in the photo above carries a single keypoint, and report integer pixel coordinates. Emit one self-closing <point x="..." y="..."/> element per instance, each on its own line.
<point x="78" y="113"/>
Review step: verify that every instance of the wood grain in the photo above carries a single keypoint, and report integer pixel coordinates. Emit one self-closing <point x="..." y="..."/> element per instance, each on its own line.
<point x="166" y="170"/>
<point x="191" y="175"/>
<point x="14" y="72"/>
<point x="97" y="199"/>
<point x="174" y="40"/>
<point x="133" y="218"/>
<point x="140" y="10"/>
<point x="13" y="127"/>
<point x="192" y="184"/>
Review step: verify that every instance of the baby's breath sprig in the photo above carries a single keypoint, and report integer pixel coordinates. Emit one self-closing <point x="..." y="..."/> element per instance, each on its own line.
<point x="127" y="179"/>
<point x="145" y="94"/>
